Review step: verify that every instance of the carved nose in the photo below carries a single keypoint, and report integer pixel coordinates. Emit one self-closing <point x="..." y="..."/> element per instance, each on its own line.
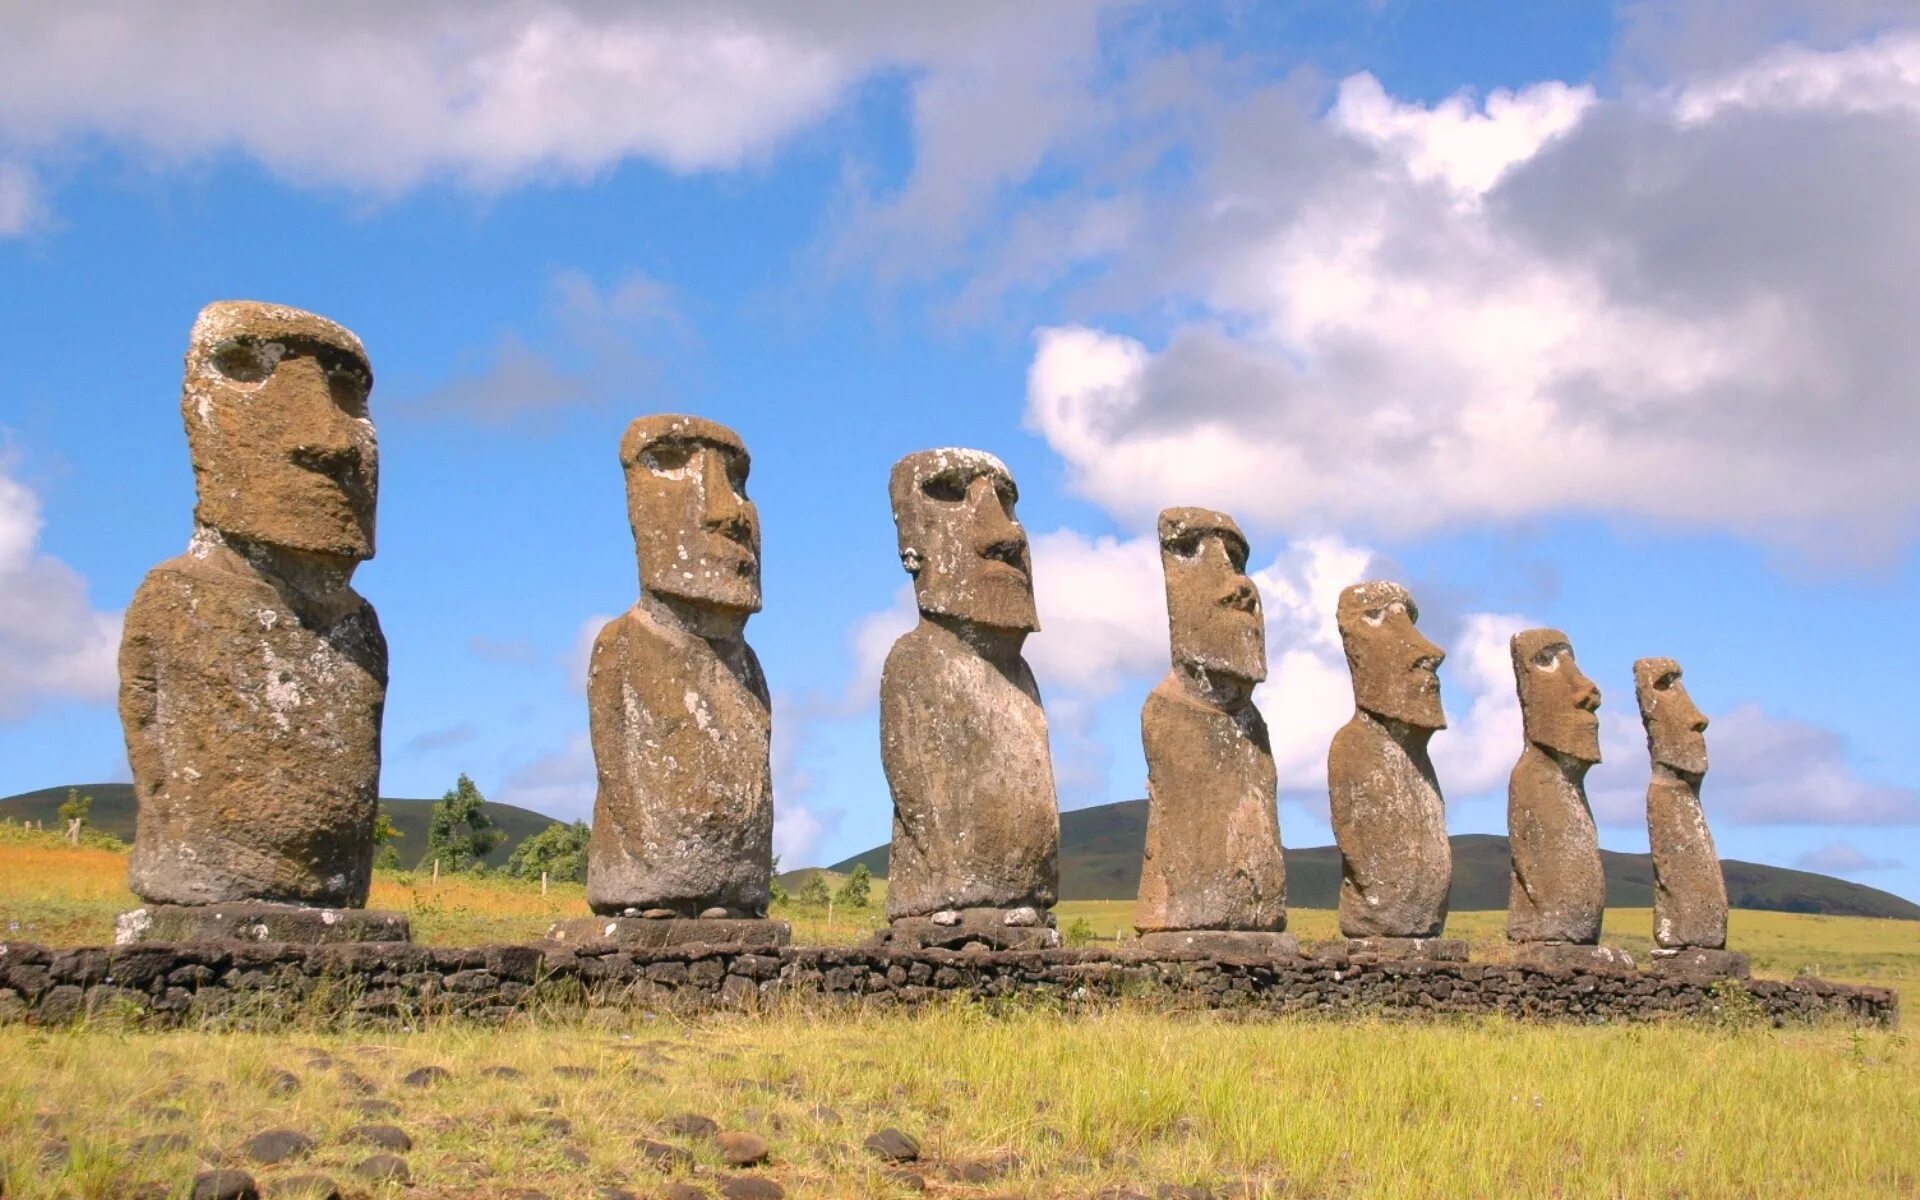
<point x="1589" y="697"/>
<point x="726" y="509"/>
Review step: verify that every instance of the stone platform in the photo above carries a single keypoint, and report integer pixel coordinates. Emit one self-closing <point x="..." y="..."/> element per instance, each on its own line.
<point x="652" y="933"/>
<point x="1722" y="964"/>
<point x="972" y="928"/>
<point x="258" y="921"/>
<point x="1395" y="949"/>
<point x="1574" y="956"/>
<point x="399" y="983"/>
<point x="1219" y="943"/>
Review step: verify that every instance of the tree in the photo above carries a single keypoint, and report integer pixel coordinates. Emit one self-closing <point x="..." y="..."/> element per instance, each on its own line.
<point x="857" y="891"/>
<point x="385" y="834"/>
<point x="813" y="893"/>
<point x="776" y="891"/>
<point x="75" y="811"/>
<point x="460" y="835"/>
<point x="559" y="851"/>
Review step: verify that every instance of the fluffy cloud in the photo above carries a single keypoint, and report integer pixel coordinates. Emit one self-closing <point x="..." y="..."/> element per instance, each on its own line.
<point x="53" y="644"/>
<point x="382" y="98"/>
<point x="1685" y="305"/>
<point x="1773" y="770"/>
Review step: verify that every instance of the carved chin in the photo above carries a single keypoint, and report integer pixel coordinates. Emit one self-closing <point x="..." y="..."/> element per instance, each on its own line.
<point x="999" y="600"/>
<point x="1690" y="757"/>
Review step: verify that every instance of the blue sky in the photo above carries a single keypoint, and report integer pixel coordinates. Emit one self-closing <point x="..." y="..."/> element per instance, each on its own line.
<point x="1561" y="314"/>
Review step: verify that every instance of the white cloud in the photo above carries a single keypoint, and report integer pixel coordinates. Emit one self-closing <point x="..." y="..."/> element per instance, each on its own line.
<point x="1843" y="858"/>
<point x="580" y="656"/>
<point x="53" y="644"/>
<point x="1684" y="306"/>
<point x="1773" y="770"/>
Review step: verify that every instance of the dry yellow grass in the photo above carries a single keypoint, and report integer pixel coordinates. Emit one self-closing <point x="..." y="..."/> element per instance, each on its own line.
<point x="1047" y="1105"/>
<point x="1119" y="1099"/>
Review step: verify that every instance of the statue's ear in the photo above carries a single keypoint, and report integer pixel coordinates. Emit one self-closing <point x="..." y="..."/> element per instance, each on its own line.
<point x="910" y="559"/>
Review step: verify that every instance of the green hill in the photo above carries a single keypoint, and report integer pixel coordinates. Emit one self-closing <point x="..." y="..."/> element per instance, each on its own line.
<point x="1100" y="852"/>
<point x="113" y="809"/>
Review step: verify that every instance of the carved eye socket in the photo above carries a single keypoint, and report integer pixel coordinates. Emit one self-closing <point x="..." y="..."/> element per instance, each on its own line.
<point x="1547" y="659"/>
<point x="246" y="361"/>
<point x="1665" y="682"/>
<point x="349" y="388"/>
<point x="948" y="489"/>
<point x="1186" y="546"/>
<point x="667" y="458"/>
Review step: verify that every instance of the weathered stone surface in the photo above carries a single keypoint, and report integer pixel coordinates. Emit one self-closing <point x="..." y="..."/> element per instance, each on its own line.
<point x="957" y="929"/>
<point x="678" y="707"/>
<point x="258" y="921"/>
<point x="1221" y="943"/>
<point x="1389" y="818"/>
<point x="647" y="933"/>
<point x="252" y="676"/>
<point x="976" y="823"/>
<point x="1689" y="887"/>
<point x="1699" y="961"/>
<point x="1213" y="857"/>
<point x="1390" y="949"/>
<point x="1574" y="956"/>
<point x="1559" y="892"/>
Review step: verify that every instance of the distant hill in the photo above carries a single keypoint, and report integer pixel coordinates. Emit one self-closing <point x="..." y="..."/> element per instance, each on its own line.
<point x="113" y="809"/>
<point x="1100" y="852"/>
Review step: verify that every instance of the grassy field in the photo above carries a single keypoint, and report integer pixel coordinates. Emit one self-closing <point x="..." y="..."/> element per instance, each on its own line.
<point x="1128" y="1102"/>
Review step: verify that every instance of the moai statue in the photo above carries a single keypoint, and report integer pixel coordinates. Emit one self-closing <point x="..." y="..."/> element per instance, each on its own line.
<point x="682" y="847"/>
<point x="976" y="824"/>
<point x="1389" y="818"/>
<point x="1559" y="892"/>
<point x="1689" y="888"/>
<point x="1214" y="880"/>
<point x="252" y="676"/>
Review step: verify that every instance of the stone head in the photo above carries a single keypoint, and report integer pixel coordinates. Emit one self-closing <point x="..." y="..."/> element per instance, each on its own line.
<point x="1559" y="705"/>
<point x="284" y="454"/>
<point x="959" y="539"/>
<point x="1213" y="609"/>
<point x="1676" y="728"/>
<point x="1395" y="669"/>
<point x="697" y="534"/>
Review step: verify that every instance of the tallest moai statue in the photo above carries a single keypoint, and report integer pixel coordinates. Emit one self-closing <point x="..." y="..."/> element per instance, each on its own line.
<point x="252" y="675"/>
<point x="976" y="825"/>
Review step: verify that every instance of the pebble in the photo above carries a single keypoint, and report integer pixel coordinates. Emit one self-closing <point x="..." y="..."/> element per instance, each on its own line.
<point x="224" y="1185"/>
<point x="277" y="1146"/>
<point x="892" y="1145"/>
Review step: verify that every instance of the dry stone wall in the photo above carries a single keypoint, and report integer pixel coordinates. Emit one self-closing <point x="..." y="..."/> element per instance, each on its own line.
<point x="258" y="983"/>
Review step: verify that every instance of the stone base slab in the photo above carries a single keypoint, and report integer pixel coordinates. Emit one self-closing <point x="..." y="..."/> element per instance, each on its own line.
<point x="1395" y="949"/>
<point x="258" y="921"/>
<point x="653" y="933"/>
<point x="1573" y="957"/>
<point x="972" y="928"/>
<point x="1720" y="964"/>
<point x="1220" y="943"/>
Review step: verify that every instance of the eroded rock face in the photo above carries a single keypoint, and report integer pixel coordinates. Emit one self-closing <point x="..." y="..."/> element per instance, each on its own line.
<point x="963" y="738"/>
<point x="678" y="709"/>
<point x="1559" y="893"/>
<point x="252" y="676"/>
<point x="1389" y="817"/>
<point x="1213" y="858"/>
<point x="1689" y="887"/>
